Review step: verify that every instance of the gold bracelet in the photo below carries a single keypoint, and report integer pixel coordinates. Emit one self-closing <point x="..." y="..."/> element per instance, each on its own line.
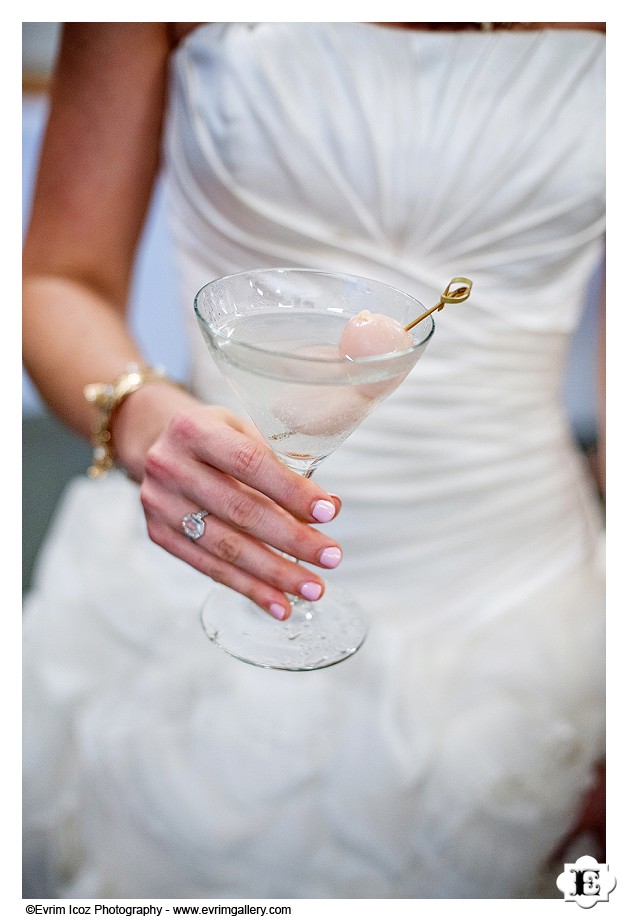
<point x="107" y="398"/>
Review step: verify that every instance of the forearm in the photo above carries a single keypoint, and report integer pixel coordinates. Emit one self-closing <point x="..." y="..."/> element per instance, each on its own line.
<point x="73" y="336"/>
<point x="99" y="159"/>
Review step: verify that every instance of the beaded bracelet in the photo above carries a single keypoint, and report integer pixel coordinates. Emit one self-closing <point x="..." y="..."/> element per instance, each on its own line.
<point x="107" y="398"/>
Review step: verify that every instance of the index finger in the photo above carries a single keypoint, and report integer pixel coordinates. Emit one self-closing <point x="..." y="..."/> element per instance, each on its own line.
<point x="252" y="462"/>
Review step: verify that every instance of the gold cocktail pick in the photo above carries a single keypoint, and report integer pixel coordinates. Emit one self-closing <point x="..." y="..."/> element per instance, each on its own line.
<point x="450" y="295"/>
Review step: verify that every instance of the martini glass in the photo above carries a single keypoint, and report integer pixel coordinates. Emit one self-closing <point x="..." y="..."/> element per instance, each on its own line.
<point x="274" y="335"/>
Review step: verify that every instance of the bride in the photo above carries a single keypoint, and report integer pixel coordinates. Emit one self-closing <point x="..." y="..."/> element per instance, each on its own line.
<point x="457" y="751"/>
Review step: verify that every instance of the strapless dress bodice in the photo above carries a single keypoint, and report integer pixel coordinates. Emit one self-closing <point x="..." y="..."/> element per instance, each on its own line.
<point x="295" y="144"/>
<point x="407" y="154"/>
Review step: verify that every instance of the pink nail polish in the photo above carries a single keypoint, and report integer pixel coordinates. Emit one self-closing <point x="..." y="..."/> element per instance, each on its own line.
<point x="277" y="610"/>
<point x="330" y="557"/>
<point x="311" y="590"/>
<point x="323" y="510"/>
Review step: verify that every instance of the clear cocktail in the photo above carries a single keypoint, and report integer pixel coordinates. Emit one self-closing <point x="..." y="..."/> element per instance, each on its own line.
<point x="276" y="334"/>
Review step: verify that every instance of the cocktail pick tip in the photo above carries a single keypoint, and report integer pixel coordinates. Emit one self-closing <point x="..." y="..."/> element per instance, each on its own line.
<point x="457" y="291"/>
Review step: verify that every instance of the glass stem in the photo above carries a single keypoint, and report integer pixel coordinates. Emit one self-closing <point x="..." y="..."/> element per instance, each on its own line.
<point x="304" y="607"/>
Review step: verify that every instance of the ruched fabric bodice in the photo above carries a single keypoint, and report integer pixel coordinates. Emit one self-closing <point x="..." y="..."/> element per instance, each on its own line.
<point x="447" y="758"/>
<point x="327" y="144"/>
<point x="401" y="165"/>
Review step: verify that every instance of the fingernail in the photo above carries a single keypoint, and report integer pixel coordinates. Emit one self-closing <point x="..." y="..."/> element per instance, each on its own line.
<point x="337" y="502"/>
<point x="330" y="557"/>
<point x="277" y="610"/>
<point x="323" y="510"/>
<point x="311" y="590"/>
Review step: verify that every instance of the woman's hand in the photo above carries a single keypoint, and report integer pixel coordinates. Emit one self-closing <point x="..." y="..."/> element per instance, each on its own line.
<point x="207" y="458"/>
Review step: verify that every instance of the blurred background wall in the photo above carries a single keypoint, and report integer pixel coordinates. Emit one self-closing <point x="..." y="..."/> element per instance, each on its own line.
<point x="51" y="454"/>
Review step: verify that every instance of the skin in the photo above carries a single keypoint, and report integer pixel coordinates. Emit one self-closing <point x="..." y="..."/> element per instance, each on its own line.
<point x="99" y="161"/>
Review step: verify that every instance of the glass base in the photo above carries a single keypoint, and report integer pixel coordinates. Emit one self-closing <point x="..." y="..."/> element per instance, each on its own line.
<point x="314" y="636"/>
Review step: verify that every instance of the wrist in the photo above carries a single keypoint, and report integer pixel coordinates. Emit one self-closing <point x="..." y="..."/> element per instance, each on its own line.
<point x="141" y="418"/>
<point x="114" y="439"/>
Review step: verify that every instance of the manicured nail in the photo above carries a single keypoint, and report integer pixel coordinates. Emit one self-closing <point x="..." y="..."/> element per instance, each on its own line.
<point x="311" y="590"/>
<point x="277" y="610"/>
<point x="323" y="510"/>
<point x="330" y="557"/>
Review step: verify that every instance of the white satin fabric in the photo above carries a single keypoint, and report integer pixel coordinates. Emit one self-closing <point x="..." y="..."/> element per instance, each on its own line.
<point x="447" y="758"/>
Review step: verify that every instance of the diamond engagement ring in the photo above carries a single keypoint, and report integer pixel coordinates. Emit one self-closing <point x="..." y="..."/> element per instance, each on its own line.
<point x="193" y="524"/>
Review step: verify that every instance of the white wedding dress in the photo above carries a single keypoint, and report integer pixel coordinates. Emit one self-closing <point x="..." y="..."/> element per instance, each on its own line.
<point x="446" y="758"/>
